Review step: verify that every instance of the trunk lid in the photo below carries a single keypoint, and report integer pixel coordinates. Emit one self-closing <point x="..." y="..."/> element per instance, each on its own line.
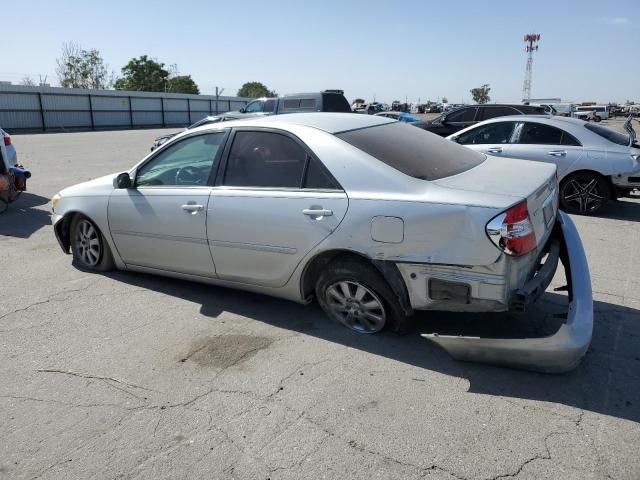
<point x="518" y="180"/>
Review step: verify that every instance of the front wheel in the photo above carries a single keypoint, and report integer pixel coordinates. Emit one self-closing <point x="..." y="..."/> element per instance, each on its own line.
<point x="584" y="193"/>
<point x="597" y="119"/>
<point x="353" y="293"/>
<point x="89" y="247"/>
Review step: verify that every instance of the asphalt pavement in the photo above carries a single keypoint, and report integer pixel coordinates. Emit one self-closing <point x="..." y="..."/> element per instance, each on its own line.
<point x="125" y="375"/>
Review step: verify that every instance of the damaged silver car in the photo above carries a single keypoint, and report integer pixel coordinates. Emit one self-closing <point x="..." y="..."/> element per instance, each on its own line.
<point x="374" y="218"/>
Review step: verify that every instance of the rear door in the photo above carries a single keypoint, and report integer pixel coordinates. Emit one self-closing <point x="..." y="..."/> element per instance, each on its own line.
<point x="545" y="143"/>
<point x="273" y="202"/>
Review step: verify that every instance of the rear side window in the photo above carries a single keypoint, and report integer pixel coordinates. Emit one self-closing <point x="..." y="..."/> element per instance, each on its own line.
<point x="318" y="177"/>
<point x="413" y="151"/>
<point x="539" y="134"/>
<point x="308" y="103"/>
<point x="533" y="110"/>
<point x="334" y="102"/>
<point x="264" y="159"/>
<point x="492" y="112"/>
<point x="462" y="115"/>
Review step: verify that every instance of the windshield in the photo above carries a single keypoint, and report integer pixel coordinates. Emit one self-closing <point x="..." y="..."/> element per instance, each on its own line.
<point x="611" y="135"/>
<point x="413" y="151"/>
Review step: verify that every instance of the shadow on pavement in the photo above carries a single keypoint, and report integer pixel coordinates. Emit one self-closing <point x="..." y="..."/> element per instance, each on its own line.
<point x="606" y="382"/>
<point x="22" y="219"/>
<point x="623" y="209"/>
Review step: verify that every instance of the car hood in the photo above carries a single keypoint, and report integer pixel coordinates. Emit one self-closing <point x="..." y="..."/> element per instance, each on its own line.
<point x="96" y="187"/>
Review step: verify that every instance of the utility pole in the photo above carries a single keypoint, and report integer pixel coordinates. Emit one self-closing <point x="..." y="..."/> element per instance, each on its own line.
<point x="531" y="40"/>
<point x="218" y="93"/>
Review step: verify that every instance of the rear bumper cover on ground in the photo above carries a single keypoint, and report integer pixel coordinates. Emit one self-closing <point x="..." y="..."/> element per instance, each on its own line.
<point x="560" y="352"/>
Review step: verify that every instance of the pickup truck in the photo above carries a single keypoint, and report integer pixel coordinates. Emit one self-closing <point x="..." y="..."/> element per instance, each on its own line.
<point x="325" y="101"/>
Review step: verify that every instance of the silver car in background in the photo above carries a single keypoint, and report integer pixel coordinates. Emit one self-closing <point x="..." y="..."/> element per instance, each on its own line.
<point x="372" y="217"/>
<point x="595" y="164"/>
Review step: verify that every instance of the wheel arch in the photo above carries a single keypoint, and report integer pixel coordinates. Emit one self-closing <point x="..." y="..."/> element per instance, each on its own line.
<point x="387" y="269"/>
<point x="606" y="178"/>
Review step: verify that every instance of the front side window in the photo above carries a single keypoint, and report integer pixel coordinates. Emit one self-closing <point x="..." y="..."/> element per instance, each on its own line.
<point x="413" y="151"/>
<point x="254" y="107"/>
<point x="501" y="132"/>
<point x="462" y="115"/>
<point x="265" y="159"/>
<point x="187" y="162"/>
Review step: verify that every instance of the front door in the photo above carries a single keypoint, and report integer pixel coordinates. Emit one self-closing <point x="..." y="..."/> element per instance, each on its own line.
<point x="493" y="138"/>
<point x="161" y="222"/>
<point x="275" y="203"/>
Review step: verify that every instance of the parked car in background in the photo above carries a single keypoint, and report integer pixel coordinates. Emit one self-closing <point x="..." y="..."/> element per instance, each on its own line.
<point x="455" y="120"/>
<point x="223" y="117"/>
<point x="595" y="112"/>
<point x="8" y="150"/>
<point x="325" y="101"/>
<point x="400" y="116"/>
<point x="595" y="164"/>
<point x="448" y="228"/>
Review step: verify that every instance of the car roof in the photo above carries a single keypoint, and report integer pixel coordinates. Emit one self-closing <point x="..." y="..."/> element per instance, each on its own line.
<point x="543" y="118"/>
<point x="328" y="122"/>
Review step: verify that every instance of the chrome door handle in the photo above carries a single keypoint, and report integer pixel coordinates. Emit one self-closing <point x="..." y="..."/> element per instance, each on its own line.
<point x="495" y="150"/>
<point x="557" y="153"/>
<point x="317" y="213"/>
<point x="190" y="207"/>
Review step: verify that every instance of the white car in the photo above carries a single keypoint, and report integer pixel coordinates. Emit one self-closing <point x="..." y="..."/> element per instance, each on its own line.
<point x="373" y="217"/>
<point x="597" y="112"/>
<point x="595" y="163"/>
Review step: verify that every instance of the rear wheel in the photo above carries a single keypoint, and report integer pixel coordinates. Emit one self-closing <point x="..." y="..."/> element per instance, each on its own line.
<point x="355" y="294"/>
<point x="597" y="119"/>
<point x="584" y="193"/>
<point x="89" y="247"/>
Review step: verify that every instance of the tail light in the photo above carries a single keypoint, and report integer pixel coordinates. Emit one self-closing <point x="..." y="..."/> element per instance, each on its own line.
<point x="7" y="139"/>
<point x="512" y="231"/>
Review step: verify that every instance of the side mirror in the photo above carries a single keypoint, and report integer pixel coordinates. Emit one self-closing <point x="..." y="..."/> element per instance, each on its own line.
<point x="242" y="110"/>
<point x="123" y="180"/>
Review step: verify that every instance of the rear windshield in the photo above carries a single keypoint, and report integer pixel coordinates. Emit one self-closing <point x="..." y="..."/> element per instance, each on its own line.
<point x="335" y="102"/>
<point x="413" y="151"/>
<point x="611" y="135"/>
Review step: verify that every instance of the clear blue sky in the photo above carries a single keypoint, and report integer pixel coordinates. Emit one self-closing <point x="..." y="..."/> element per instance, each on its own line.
<point x="590" y="49"/>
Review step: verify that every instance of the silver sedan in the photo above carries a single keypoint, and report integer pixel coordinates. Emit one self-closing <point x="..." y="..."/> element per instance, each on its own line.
<point x="595" y="163"/>
<point x="372" y="217"/>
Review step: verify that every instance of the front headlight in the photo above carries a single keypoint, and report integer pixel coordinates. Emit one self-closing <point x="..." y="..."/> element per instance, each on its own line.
<point x="54" y="200"/>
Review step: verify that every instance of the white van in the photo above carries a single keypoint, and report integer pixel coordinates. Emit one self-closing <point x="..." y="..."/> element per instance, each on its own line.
<point x="602" y="112"/>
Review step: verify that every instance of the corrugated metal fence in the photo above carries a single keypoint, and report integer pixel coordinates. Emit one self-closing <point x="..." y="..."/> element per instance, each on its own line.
<point x="53" y="108"/>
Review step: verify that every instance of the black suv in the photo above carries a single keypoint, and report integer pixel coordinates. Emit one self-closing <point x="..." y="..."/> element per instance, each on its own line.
<point x="325" y="101"/>
<point x="463" y="117"/>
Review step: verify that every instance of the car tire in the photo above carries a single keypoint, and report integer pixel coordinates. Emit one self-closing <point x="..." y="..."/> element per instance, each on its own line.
<point x="597" y="119"/>
<point x="353" y="293"/>
<point x="89" y="248"/>
<point x="584" y="193"/>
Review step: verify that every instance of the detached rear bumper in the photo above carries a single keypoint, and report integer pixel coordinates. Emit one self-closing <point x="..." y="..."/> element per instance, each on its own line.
<point x="557" y="353"/>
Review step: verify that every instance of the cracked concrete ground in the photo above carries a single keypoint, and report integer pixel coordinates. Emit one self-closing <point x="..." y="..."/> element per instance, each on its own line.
<point x="132" y="376"/>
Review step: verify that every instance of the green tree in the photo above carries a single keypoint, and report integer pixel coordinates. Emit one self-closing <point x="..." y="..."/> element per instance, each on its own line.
<point x="182" y="84"/>
<point x="143" y="74"/>
<point x="79" y="68"/>
<point x="481" y="94"/>
<point x="255" y="90"/>
<point x="444" y="100"/>
<point x="359" y="100"/>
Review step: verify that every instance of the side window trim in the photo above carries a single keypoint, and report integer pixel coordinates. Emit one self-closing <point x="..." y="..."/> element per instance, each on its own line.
<point x="224" y="160"/>
<point x="157" y="152"/>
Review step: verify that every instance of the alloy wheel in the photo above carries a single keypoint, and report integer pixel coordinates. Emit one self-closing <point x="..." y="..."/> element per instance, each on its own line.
<point x="356" y="306"/>
<point x="88" y="243"/>
<point x="584" y="195"/>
